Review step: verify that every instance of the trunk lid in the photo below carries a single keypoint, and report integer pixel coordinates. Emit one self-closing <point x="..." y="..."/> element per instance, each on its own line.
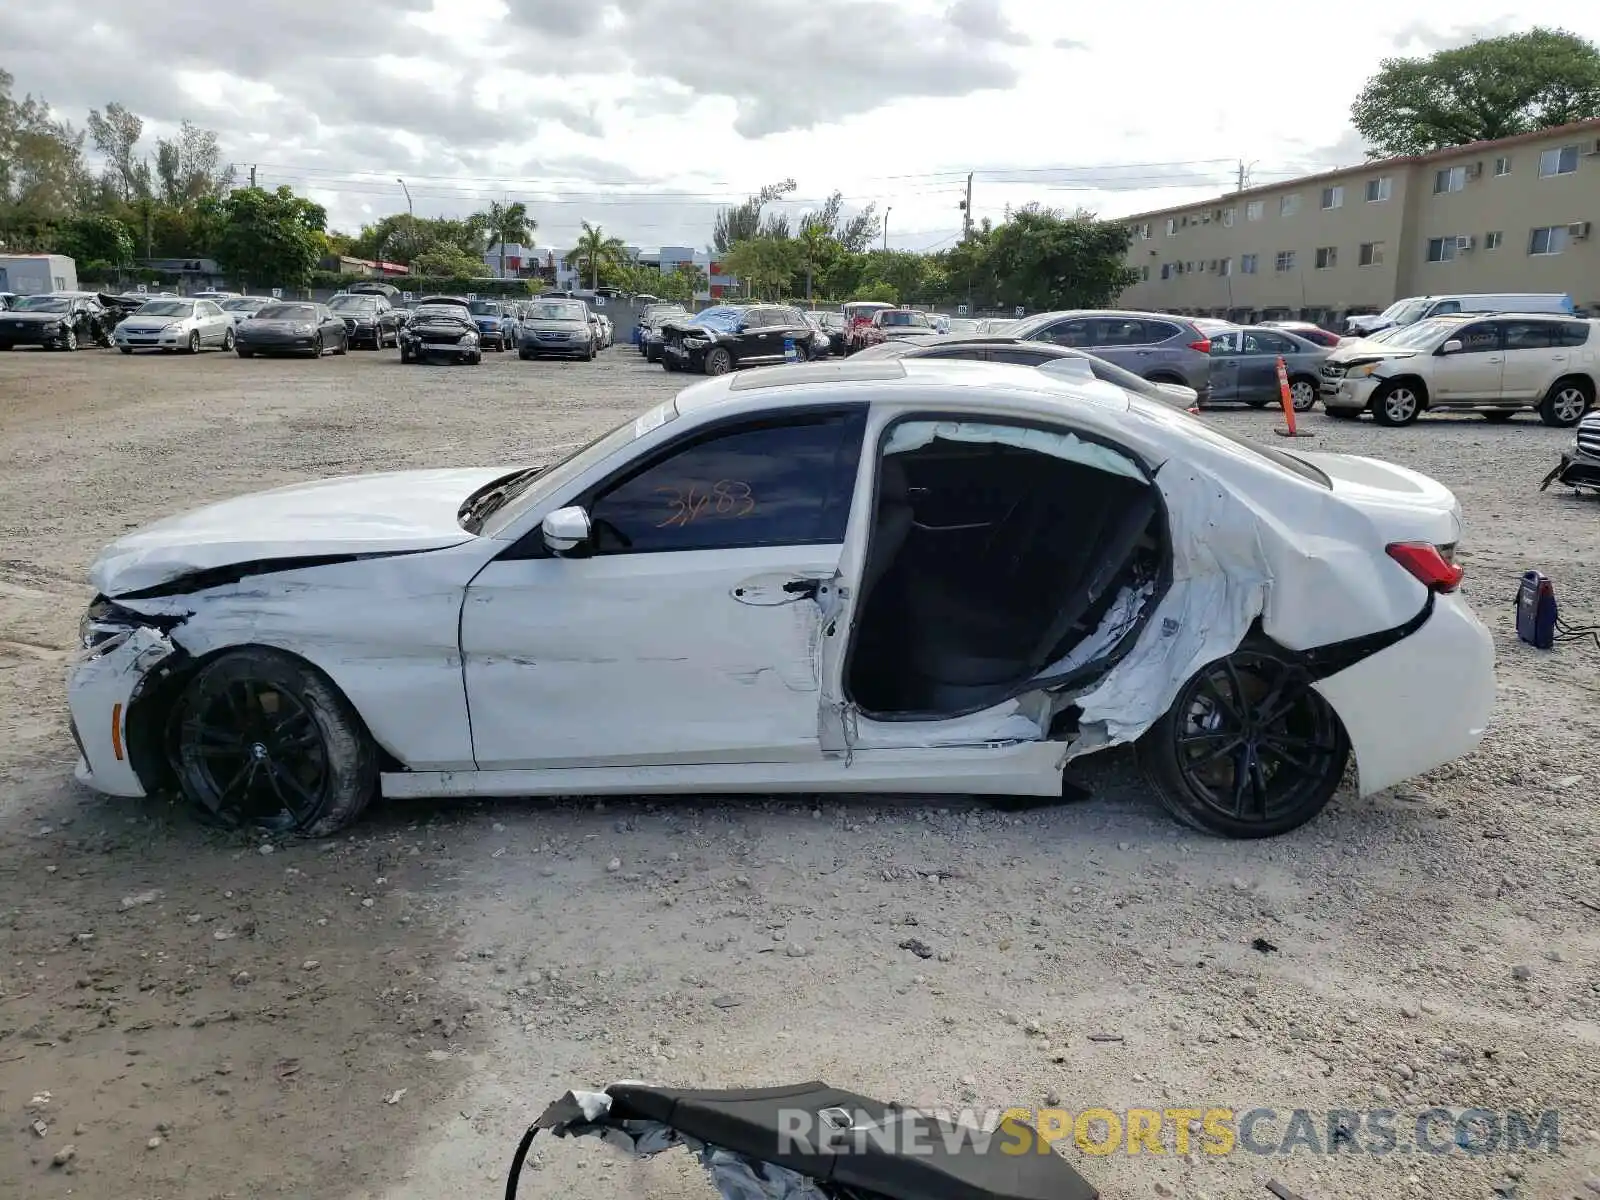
<point x="1405" y="505"/>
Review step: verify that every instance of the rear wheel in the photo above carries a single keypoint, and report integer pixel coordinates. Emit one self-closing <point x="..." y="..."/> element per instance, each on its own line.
<point x="192" y="346"/>
<point x="344" y="344"/>
<point x="1397" y="404"/>
<point x="69" y="340"/>
<point x="1566" y="402"/>
<point x="1248" y="749"/>
<point x="265" y="739"/>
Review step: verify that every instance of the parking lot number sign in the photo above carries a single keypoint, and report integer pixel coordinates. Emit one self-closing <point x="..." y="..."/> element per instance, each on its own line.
<point x="961" y="310"/>
<point x="472" y="295"/>
<point x="277" y="293"/>
<point x="599" y="301"/>
<point x="405" y="295"/>
<point x="1019" y="310"/>
<point x="144" y="289"/>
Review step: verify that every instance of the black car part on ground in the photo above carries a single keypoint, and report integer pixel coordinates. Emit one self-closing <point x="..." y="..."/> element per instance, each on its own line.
<point x="811" y="1139"/>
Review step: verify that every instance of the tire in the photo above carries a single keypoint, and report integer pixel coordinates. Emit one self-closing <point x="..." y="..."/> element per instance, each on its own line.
<point x="344" y="344"/>
<point x="243" y="352"/>
<point x="304" y="764"/>
<point x="525" y="355"/>
<point x="1303" y="393"/>
<point x="671" y="364"/>
<point x="405" y="355"/>
<point x="192" y="346"/>
<point x="1499" y="416"/>
<point x="227" y="341"/>
<point x="316" y="346"/>
<point x="1284" y="759"/>
<point x="1566" y="402"/>
<point x="1396" y="404"/>
<point x="126" y="349"/>
<point x="718" y="361"/>
<point x="69" y="340"/>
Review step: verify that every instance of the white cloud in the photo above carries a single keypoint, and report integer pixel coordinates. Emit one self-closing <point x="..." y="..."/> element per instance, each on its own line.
<point x="644" y="116"/>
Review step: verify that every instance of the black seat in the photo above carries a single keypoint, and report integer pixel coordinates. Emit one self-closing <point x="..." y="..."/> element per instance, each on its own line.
<point x="869" y="1145"/>
<point x="892" y="522"/>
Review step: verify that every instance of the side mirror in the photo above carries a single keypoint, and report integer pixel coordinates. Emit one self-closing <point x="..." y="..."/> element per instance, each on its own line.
<point x="1453" y="346"/>
<point x="565" y="529"/>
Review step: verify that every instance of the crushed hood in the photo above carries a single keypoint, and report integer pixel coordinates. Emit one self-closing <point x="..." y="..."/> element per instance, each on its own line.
<point x="355" y="514"/>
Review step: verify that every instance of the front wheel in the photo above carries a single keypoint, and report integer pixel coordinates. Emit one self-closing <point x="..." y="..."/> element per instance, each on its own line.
<point x="244" y="351"/>
<point x="405" y="355"/>
<point x="1397" y="404"/>
<point x="316" y="346"/>
<point x="1249" y="748"/>
<point x="265" y="739"/>
<point x="1565" y="403"/>
<point x="719" y="361"/>
<point x="1303" y="394"/>
<point x="69" y="340"/>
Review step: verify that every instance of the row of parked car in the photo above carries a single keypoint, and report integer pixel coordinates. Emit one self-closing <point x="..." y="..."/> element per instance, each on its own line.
<point x="1496" y="363"/>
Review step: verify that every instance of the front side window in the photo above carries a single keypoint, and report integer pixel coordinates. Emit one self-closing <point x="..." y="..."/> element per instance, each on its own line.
<point x="774" y="484"/>
<point x="1482" y="338"/>
<point x="1067" y="333"/>
<point x="1558" y="162"/>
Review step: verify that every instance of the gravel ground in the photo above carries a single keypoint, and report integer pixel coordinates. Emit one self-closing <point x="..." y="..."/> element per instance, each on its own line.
<point x="187" y="1013"/>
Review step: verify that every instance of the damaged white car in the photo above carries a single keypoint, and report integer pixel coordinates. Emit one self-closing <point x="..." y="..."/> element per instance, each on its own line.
<point x="919" y="575"/>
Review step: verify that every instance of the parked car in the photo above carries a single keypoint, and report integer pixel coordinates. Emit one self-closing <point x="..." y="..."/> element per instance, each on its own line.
<point x="858" y="316"/>
<point x="215" y="296"/>
<point x="1579" y="467"/>
<point x="369" y="319"/>
<point x="1498" y="365"/>
<point x="598" y="328"/>
<point x="999" y="548"/>
<point x="497" y="327"/>
<point x="441" y="329"/>
<point x="1308" y="330"/>
<point x="650" y="323"/>
<point x="1418" y="308"/>
<point x="559" y="327"/>
<point x="54" y="321"/>
<point x="172" y="325"/>
<point x="831" y="326"/>
<point x="375" y="287"/>
<point x="895" y="324"/>
<point x="5" y="300"/>
<point x="291" y="327"/>
<point x="1003" y="349"/>
<point x="1244" y="367"/>
<point x="726" y="337"/>
<point x="241" y="307"/>
<point x="1160" y="347"/>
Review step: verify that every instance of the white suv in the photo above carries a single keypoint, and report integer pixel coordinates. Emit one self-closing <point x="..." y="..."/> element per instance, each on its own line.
<point x="1497" y="365"/>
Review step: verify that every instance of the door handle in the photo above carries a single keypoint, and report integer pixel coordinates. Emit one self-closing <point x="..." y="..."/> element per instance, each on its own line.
<point x="1558" y="358"/>
<point x="806" y="588"/>
<point x="1494" y="358"/>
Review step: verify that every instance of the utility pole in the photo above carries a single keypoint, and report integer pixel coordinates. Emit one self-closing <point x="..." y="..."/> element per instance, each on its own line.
<point x="252" y="175"/>
<point x="1240" y="188"/>
<point x="410" y="211"/>
<point x="966" y="211"/>
<point x="886" y="213"/>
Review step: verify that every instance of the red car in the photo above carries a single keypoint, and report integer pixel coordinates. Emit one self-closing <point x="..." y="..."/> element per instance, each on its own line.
<point x="896" y="324"/>
<point x="858" y="316"/>
<point x="1308" y="330"/>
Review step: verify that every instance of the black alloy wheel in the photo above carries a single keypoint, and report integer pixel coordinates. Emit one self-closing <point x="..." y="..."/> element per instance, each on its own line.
<point x="1249" y="748"/>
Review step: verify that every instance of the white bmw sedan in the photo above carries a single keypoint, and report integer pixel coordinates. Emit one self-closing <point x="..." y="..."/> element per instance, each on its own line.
<point x="918" y="575"/>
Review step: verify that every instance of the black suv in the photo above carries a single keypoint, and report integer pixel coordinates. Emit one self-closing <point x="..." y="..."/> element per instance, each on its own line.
<point x="719" y="339"/>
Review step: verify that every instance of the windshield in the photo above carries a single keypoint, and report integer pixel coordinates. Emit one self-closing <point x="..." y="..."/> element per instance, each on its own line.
<point x="556" y="310"/>
<point x="243" y="303"/>
<point x="167" y="308"/>
<point x="1419" y="335"/>
<point x="287" y="312"/>
<point x="724" y="317"/>
<point x="904" y="319"/>
<point x="353" y="304"/>
<point x="453" y="311"/>
<point x="58" y="304"/>
<point x="483" y="308"/>
<point x="1403" y="312"/>
<point x="557" y="476"/>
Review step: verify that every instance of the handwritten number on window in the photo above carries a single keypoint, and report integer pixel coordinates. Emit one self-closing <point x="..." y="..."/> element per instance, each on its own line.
<point x="725" y="498"/>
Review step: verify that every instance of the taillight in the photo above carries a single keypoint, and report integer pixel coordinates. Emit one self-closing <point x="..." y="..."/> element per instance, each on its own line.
<point x="1203" y="346"/>
<point x="1433" y="566"/>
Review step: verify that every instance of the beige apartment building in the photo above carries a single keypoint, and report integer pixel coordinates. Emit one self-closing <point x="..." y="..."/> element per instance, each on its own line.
<point x="1521" y="214"/>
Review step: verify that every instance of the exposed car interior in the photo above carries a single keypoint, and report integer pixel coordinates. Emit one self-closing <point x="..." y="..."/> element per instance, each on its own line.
<point x="996" y="551"/>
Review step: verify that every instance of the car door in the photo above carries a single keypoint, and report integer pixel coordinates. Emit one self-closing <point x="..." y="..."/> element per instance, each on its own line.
<point x="689" y="632"/>
<point x="334" y="331"/>
<point x="758" y="337"/>
<point x="1530" y="350"/>
<point x="1472" y="373"/>
<point x="214" y="323"/>
<point x="1227" y="350"/>
<point x="1258" y="365"/>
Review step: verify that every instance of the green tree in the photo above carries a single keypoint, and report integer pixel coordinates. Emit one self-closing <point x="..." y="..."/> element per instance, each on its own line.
<point x="1044" y="260"/>
<point x="881" y="290"/>
<point x="189" y="167"/>
<point x="270" y="237"/>
<point x="901" y="269"/>
<point x="744" y="221"/>
<point x="444" y="260"/>
<point x="507" y="224"/>
<point x="764" y="264"/>
<point x="594" y="250"/>
<point x="42" y="177"/>
<point x="1491" y="88"/>
<point x="116" y="135"/>
<point x="100" y="243"/>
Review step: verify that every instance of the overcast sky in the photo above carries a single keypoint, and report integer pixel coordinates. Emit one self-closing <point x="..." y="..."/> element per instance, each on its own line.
<point x="647" y="115"/>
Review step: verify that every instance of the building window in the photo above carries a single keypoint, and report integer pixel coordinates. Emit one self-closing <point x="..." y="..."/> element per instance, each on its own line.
<point x="1558" y="162"/>
<point x="1247" y="264"/>
<point x="1442" y="249"/>
<point x="1188" y="268"/>
<point x="1144" y="273"/>
<point x="1502" y="165"/>
<point x="1450" y="179"/>
<point x="1327" y="257"/>
<point x="1227" y="217"/>
<point x="1552" y="239"/>
<point x="1492" y="239"/>
<point x="1284" y="261"/>
<point x="1255" y="210"/>
<point x="1172" y="226"/>
<point x="1227" y="266"/>
<point x="1166" y="270"/>
<point x="1289" y="205"/>
<point x="1371" y="254"/>
<point x="1333" y="197"/>
<point x="1378" y="189"/>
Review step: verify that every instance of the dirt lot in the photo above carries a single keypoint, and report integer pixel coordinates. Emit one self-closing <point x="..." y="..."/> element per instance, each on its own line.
<point x="198" y="1014"/>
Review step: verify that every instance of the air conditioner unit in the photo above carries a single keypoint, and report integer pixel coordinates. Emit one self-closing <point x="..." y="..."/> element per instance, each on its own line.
<point x="1578" y="230"/>
<point x="1466" y="242"/>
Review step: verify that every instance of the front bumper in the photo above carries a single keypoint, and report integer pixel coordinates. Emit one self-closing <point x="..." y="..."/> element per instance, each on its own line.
<point x="102" y="686"/>
<point x="1347" y="393"/>
<point x="460" y="350"/>
<point x="689" y="358"/>
<point x="296" y="344"/>
<point x="32" y="337"/>
<point x="166" y="339"/>
<point x="1420" y="703"/>
<point x="1576" y="469"/>
<point x="578" y="347"/>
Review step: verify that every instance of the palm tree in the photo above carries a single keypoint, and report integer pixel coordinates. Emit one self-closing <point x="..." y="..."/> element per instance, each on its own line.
<point x="595" y="249"/>
<point x="506" y="223"/>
